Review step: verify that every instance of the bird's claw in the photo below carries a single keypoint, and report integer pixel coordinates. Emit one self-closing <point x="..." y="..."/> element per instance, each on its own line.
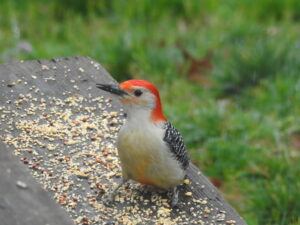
<point x="174" y="197"/>
<point x="108" y="200"/>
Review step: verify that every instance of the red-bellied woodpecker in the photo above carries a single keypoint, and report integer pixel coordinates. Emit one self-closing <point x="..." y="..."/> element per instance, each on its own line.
<point x="150" y="149"/>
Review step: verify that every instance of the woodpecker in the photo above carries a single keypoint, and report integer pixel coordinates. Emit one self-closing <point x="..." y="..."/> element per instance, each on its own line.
<point x="150" y="148"/>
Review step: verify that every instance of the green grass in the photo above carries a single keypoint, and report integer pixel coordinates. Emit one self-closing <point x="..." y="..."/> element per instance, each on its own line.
<point x="239" y="123"/>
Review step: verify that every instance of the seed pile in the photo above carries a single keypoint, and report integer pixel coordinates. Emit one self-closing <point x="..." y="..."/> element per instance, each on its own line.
<point x="69" y="145"/>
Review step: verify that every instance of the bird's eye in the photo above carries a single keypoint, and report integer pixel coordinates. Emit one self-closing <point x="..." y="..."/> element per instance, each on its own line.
<point x="138" y="93"/>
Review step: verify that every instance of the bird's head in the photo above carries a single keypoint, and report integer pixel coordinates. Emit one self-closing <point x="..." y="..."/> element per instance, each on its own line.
<point x="138" y="97"/>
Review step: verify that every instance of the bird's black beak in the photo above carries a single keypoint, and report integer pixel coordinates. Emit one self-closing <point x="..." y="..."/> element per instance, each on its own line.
<point x="114" y="89"/>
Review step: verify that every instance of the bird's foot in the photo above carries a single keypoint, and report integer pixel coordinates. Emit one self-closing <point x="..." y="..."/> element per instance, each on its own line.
<point x="174" y="197"/>
<point x="109" y="199"/>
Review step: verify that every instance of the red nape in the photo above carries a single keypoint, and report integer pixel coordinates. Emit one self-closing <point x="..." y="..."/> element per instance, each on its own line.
<point x="157" y="113"/>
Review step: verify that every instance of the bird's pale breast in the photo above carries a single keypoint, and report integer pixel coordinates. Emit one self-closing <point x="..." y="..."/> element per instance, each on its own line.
<point x="145" y="157"/>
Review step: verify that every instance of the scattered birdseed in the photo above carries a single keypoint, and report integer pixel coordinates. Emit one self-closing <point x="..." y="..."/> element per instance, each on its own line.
<point x="68" y="144"/>
<point x="187" y="181"/>
<point x="220" y="217"/>
<point x="45" y="67"/>
<point x="188" y="193"/>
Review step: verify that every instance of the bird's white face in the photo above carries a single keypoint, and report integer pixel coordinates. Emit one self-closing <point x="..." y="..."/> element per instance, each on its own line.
<point x="138" y="104"/>
<point x="139" y="98"/>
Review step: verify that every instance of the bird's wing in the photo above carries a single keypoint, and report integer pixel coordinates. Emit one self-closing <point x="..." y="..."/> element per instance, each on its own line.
<point x="175" y="142"/>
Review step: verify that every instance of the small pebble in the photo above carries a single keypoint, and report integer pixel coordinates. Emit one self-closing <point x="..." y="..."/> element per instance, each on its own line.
<point x="21" y="184"/>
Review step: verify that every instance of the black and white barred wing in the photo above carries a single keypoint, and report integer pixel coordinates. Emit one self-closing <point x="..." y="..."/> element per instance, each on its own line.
<point x="175" y="142"/>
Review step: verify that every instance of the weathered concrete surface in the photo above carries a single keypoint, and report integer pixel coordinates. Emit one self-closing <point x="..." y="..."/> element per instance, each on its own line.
<point x="84" y="75"/>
